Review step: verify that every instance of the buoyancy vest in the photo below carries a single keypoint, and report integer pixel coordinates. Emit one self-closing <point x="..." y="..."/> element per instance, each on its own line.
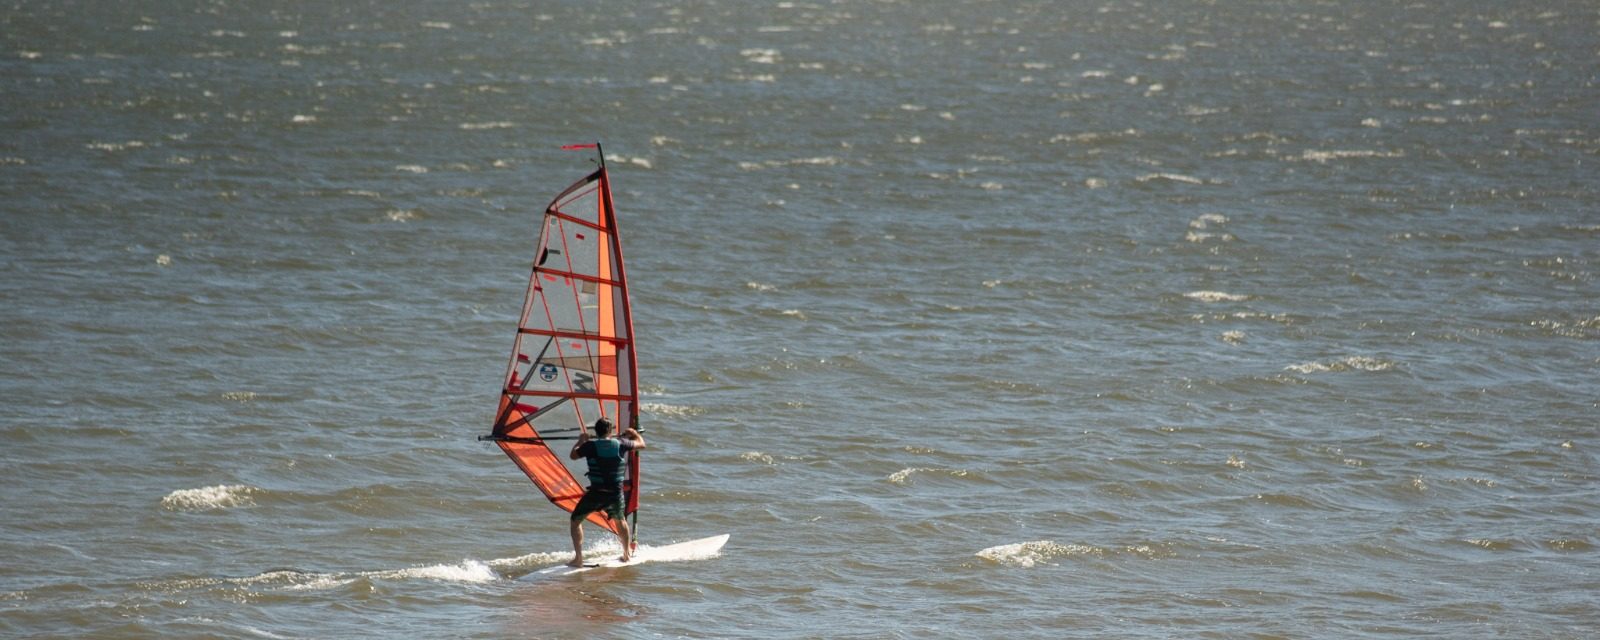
<point x="605" y="464"/>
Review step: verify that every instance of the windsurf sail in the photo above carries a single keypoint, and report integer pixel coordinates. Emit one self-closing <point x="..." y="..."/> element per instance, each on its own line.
<point x="573" y="360"/>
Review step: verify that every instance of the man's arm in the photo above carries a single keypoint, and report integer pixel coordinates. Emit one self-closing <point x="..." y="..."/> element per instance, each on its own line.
<point x="583" y="436"/>
<point x="635" y="436"/>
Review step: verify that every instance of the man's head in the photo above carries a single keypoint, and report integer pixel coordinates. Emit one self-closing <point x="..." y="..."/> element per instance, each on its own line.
<point x="603" y="427"/>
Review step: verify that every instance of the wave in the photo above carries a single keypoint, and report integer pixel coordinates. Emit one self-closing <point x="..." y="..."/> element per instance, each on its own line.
<point x="1313" y="155"/>
<point x="903" y="476"/>
<point x="1045" y="552"/>
<point x="208" y="498"/>
<point x="468" y="571"/>
<point x="1352" y="363"/>
<point x="1028" y="554"/>
<point x="1216" y="296"/>
<point x="1171" y="177"/>
<point x="823" y="161"/>
<point x="661" y="410"/>
<point x="1582" y="328"/>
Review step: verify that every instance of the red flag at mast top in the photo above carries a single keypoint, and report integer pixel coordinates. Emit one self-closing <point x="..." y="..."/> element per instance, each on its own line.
<point x="592" y="145"/>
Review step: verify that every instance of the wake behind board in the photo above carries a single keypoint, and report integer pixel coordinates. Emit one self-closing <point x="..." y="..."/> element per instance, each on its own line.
<point x="680" y="552"/>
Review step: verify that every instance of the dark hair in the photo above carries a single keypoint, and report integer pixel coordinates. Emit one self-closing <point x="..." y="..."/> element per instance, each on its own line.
<point x="603" y="427"/>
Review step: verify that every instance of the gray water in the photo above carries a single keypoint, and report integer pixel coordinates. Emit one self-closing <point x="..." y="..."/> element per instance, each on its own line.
<point x="965" y="319"/>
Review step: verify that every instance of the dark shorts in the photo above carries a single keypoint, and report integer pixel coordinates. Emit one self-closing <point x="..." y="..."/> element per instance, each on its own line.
<point x="594" y="500"/>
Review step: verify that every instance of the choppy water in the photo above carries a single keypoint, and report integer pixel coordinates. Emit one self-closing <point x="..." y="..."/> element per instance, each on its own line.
<point x="1022" y="319"/>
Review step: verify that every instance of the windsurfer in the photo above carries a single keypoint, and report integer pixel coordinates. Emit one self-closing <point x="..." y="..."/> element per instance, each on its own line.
<point x="606" y="456"/>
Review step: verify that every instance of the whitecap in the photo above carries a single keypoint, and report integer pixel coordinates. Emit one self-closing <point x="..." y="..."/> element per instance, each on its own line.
<point x="904" y="475"/>
<point x="1029" y="554"/>
<point x="1216" y="296"/>
<point x="114" y="146"/>
<point x="1170" y="177"/>
<point x="822" y="161"/>
<point x="1352" y="363"/>
<point x="670" y="411"/>
<point x="762" y="56"/>
<point x="1202" y="237"/>
<point x="1313" y="155"/>
<point x="206" y="498"/>
<point x="643" y="163"/>
<point x="320" y="582"/>
<point x="465" y="571"/>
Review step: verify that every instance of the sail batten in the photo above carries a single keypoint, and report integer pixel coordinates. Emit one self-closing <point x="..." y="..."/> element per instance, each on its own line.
<point x="574" y="344"/>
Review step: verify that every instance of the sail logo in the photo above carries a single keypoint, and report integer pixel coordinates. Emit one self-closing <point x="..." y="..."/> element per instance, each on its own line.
<point x="547" y="372"/>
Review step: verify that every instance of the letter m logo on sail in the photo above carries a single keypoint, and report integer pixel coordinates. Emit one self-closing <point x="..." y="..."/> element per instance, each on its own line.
<point x="582" y="382"/>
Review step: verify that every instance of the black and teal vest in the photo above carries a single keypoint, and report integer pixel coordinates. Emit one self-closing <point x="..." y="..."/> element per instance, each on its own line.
<point x="605" y="464"/>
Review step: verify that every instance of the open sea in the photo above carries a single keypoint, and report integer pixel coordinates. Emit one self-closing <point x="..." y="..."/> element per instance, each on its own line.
<point x="967" y="319"/>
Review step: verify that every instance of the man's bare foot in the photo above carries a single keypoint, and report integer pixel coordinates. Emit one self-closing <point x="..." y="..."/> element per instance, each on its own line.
<point x="576" y="562"/>
<point x="626" y="558"/>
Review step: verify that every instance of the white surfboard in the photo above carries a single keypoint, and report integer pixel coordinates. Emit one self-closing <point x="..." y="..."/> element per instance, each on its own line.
<point x="682" y="551"/>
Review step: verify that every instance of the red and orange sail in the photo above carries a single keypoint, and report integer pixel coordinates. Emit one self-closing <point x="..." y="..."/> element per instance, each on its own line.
<point x="573" y="360"/>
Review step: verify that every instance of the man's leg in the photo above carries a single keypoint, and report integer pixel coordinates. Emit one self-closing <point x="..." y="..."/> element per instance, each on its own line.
<point x="625" y="534"/>
<point x="577" y="543"/>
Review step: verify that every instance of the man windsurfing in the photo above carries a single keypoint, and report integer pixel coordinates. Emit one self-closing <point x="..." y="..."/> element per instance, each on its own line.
<point x="607" y="458"/>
